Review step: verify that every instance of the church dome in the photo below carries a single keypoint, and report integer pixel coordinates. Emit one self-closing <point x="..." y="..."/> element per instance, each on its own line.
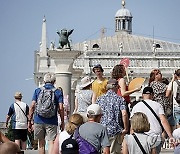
<point x="123" y="12"/>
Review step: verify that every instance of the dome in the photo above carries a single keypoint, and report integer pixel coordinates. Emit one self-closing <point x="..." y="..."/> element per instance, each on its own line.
<point x="123" y="12"/>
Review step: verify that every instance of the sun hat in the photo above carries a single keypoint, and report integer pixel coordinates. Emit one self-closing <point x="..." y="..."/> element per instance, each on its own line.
<point x="94" y="109"/>
<point x="86" y="81"/>
<point x="70" y="146"/>
<point x="18" y="95"/>
<point x="148" y="90"/>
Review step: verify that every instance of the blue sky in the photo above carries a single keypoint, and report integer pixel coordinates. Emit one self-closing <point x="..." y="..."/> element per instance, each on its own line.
<point x="21" y="23"/>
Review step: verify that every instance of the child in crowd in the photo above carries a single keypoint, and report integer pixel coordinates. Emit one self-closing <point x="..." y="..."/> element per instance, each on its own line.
<point x="139" y="125"/>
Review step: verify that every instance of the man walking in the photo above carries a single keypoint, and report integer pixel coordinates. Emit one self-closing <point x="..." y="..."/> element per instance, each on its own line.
<point x="18" y="112"/>
<point x="93" y="132"/>
<point x="114" y="108"/>
<point x="155" y="126"/>
<point x="46" y="101"/>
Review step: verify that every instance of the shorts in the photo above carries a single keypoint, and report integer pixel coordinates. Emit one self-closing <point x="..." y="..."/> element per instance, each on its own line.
<point x="45" y="130"/>
<point x="116" y="143"/>
<point x="20" y="134"/>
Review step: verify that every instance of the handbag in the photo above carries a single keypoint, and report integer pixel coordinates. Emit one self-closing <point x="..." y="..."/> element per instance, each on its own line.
<point x="139" y="144"/>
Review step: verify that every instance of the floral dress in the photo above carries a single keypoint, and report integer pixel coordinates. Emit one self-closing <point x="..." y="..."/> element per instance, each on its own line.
<point x="159" y="89"/>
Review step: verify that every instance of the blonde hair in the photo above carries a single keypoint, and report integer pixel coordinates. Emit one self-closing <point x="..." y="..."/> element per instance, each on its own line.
<point x="74" y="121"/>
<point x="140" y="123"/>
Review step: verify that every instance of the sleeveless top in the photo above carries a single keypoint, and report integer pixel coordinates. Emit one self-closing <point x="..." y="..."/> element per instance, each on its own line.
<point x="127" y="98"/>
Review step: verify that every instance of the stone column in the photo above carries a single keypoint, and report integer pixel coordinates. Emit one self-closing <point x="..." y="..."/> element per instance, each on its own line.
<point x="63" y="60"/>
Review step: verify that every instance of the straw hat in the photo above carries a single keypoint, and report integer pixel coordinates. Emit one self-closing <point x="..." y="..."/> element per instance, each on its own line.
<point x="86" y="81"/>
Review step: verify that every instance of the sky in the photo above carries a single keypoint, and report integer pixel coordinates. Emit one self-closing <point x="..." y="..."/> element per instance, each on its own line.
<point x="21" y="27"/>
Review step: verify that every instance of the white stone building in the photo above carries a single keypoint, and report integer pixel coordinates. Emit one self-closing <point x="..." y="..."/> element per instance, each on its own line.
<point x="144" y="54"/>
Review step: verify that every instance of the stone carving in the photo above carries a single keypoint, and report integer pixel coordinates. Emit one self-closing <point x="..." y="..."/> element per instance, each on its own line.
<point x="52" y="45"/>
<point x="63" y="38"/>
<point x="85" y="48"/>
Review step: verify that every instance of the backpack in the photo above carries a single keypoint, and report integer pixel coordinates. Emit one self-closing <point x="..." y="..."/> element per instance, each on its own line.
<point x="45" y="105"/>
<point x="70" y="146"/>
<point x="177" y="98"/>
<point x="84" y="146"/>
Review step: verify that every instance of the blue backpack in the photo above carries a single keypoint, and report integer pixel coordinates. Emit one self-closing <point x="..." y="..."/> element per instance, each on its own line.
<point x="84" y="146"/>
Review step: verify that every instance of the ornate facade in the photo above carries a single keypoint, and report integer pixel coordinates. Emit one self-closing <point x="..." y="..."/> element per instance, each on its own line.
<point x="144" y="53"/>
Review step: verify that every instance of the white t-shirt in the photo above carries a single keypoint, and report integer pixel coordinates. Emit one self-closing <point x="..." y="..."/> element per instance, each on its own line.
<point x="62" y="136"/>
<point x="174" y="89"/>
<point x="158" y="109"/>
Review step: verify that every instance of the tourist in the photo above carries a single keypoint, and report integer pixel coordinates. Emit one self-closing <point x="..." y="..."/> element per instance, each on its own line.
<point x="93" y="132"/>
<point x="75" y="121"/>
<point x="173" y="85"/>
<point x="119" y="73"/>
<point x="159" y="89"/>
<point x="113" y="106"/>
<point x="157" y="120"/>
<point x="139" y="126"/>
<point x="99" y="85"/>
<point x="46" y="101"/>
<point x="84" y="97"/>
<point x="18" y="112"/>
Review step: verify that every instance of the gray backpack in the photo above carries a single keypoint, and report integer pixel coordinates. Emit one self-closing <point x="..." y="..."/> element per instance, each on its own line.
<point x="45" y="105"/>
<point x="177" y="98"/>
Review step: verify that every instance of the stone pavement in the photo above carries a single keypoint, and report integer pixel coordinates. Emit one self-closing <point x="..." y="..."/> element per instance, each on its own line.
<point x="163" y="151"/>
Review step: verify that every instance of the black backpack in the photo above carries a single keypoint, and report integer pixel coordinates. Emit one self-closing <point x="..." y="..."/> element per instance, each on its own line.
<point x="177" y="98"/>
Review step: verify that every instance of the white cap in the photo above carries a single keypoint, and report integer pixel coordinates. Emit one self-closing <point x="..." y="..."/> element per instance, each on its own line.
<point x="94" y="109"/>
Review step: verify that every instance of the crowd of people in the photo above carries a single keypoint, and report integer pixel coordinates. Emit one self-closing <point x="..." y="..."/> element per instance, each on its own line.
<point x="102" y="121"/>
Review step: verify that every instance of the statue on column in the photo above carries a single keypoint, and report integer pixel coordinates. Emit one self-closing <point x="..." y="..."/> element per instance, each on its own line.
<point x="63" y="38"/>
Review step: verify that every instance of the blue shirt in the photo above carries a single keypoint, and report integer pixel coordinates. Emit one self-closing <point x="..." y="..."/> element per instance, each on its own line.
<point x="58" y="99"/>
<point x="111" y="104"/>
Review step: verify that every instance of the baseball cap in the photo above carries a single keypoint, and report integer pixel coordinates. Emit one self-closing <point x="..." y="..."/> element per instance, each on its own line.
<point x="70" y="146"/>
<point x="148" y="90"/>
<point x="94" y="109"/>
